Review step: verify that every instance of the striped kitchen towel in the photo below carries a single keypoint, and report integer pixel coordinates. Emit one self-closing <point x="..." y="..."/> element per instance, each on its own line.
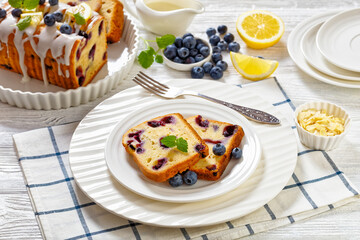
<point x="63" y="211"/>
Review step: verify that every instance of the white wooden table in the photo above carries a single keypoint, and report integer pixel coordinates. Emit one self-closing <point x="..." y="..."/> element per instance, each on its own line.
<point x="17" y="219"/>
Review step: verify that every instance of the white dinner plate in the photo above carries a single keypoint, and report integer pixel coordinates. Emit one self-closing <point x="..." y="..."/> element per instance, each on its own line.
<point x="35" y="95"/>
<point x="124" y="169"/>
<point x="338" y="40"/>
<point x="87" y="161"/>
<point x="314" y="57"/>
<point x="294" y="49"/>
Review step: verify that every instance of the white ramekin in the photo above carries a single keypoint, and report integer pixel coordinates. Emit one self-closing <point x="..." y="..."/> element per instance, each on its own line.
<point x="322" y="142"/>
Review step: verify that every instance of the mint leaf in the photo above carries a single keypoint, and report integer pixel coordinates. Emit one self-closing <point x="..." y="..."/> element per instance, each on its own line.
<point x="165" y="40"/>
<point x="16" y="3"/>
<point x="79" y="18"/>
<point x="24" y="23"/>
<point x="150" y="51"/>
<point x="182" y="144"/>
<point x="159" y="59"/>
<point x="30" y="4"/>
<point x="145" y="59"/>
<point x="169" y="141"/>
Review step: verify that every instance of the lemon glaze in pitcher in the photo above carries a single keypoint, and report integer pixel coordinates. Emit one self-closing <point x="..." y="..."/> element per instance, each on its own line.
<point x="165" y="16"/>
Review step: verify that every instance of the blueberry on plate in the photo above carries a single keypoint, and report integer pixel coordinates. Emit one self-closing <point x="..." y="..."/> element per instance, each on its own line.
<point x="199" y="58"/>
<point x="229" y="37"/>
<point x="236" y="153"/>
<point x="205" y="51"/>
<point x="176" y="180"/>
<point x="193" y="52"/>
<point x="222" y="29"/>
<point x="197" y="72"/>
<point x="16" y="12"/>
<point x="170" y="51"/>
<point x="189" y="42"/>
<point x="222" y="45"/>
<point x="183" y="52"/>
<point x="66" y="29"/>
<point x="216" y="73"/>
<point x="261" y="57"/>
<point x="178" y="60"/>
<point x="178" y="42"/>
<point x="216" y="49"/>
<point x="53" y="2"/>
<point x="189" y="60"/>
<point x="190" y="177"/>
<point x="219" y="149"/>
<point x="49" y="20"/>
<point x="210" y="31"/>
<point x="58" y="16"/>
<point x="2" y="13"/>
<point x="187" y="34"/>
<point x="214" y="39"/>
<point x="222" y="64"/>
<point x="41" y="2"/>
<point x="234" y="47"/>
<point x="207" y="67"/>
<point x="216" y="57"/>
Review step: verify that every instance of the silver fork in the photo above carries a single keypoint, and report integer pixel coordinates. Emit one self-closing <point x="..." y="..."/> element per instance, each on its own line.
<point x="165" y="91"/>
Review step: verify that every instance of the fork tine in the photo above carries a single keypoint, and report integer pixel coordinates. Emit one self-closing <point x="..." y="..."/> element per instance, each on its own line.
<point x="153" y="80"/>
<point x="147" y="87"/>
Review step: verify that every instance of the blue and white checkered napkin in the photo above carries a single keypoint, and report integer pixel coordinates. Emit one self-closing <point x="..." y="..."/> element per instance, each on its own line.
<point x="63" y="211"/>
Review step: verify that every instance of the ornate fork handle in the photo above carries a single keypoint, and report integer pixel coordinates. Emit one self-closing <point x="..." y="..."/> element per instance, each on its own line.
<point x="250" y="113"/>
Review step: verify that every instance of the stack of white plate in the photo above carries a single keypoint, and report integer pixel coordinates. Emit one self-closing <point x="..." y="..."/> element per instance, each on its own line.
<point x="327" y="47"/>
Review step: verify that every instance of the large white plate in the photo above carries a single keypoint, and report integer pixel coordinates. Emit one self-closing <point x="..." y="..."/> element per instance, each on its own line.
<point x="279" y="155"/>
<point x="338" y="40"/>
<point x="315" y="58"/>
<point x="294" y="49"/>
<point x="35" y="95"/>
<point x="123" y="168"/>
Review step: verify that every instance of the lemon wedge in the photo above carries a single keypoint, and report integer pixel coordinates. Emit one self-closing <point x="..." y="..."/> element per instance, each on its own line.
<point x="260" y="29"/>
<point x="82" y="12"/>
<point x="253" y="68"/>
<point x="36" y="17"/>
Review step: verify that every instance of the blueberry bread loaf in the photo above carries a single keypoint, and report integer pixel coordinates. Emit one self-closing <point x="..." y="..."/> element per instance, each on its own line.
<point x="157" y="161"/>
<point x="214" y="132"/>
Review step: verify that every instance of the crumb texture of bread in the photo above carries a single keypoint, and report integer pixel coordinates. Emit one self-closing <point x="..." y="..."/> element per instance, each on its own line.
<point x="213" y="132"/>
<point x="113" y="12"/>
<point x="157" y="161"/>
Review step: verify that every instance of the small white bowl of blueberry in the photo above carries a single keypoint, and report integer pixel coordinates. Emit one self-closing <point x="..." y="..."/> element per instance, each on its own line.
<point x="198" y="56"/>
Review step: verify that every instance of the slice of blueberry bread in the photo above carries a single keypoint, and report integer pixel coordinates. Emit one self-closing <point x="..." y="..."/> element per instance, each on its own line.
<point x="157" y="161"/>
<point x="215" y="132"/>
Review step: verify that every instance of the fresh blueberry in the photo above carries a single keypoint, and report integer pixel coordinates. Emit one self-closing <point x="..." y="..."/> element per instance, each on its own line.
<point x="229" y="37"/>
<point x="187" y="35"/>
<point x="16" y="12"/>
<point x="178" y="60"/>
<point x="222" y="64"/>
<point x="222" y="29"/>
<point x="197" y="72"/>
<point x="49" y="20"/>
<point x="222" y="45"/>
<point x="205" y="51"/>
<point x="189" y="60"/>
<point x="216" y="73"/>
<point x="183" y="52"/>
<point x="236" y="153"/>
<point x="260" y="57"/>
<point x="53" y="2"/>
<point x="207" y="67"/>
<point x="216" y="49"/>
<point x="170" y="51"/>
<point x="219" y="149"/>
<point x="58" y="16"/>
<point x="189" y="42"/>
<point x="176" y="180"/>
<point x="178" y="42"/>
<point x="216" y="57"/>
<point x="66" y="29"/>
<point x="199" y="41"/>
<point x="199" y="46"/>
<point x="234" y="47"/>
<point x="190" y="177"/>
<point x="41" y="2"/>
<point x="193" y="52"/>
<point x="210" y="32"/>
<point x="199" y="58"/>
<point x="214" y="39"/>
<point x="2" y="13"/>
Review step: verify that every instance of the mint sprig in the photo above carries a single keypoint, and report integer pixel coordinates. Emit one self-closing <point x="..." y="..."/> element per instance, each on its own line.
<point x="171" y="141"/>
<point x="147" y="57"/>
<point x="25" y="4"/>
<point x="24" y="23"/>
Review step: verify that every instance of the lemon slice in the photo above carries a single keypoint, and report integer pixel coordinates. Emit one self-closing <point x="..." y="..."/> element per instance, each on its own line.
<point x="36" y="17"/>
<point x="82" y="12"/>
<point x="260" y="29"/>
<point x="253" y="68"/>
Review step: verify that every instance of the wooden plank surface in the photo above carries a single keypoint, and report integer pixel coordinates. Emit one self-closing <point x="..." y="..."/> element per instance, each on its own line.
<point x="17" y="220"/>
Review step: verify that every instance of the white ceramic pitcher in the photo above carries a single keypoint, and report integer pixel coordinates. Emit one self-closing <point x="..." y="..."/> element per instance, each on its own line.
<point x="165" y="16"/>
